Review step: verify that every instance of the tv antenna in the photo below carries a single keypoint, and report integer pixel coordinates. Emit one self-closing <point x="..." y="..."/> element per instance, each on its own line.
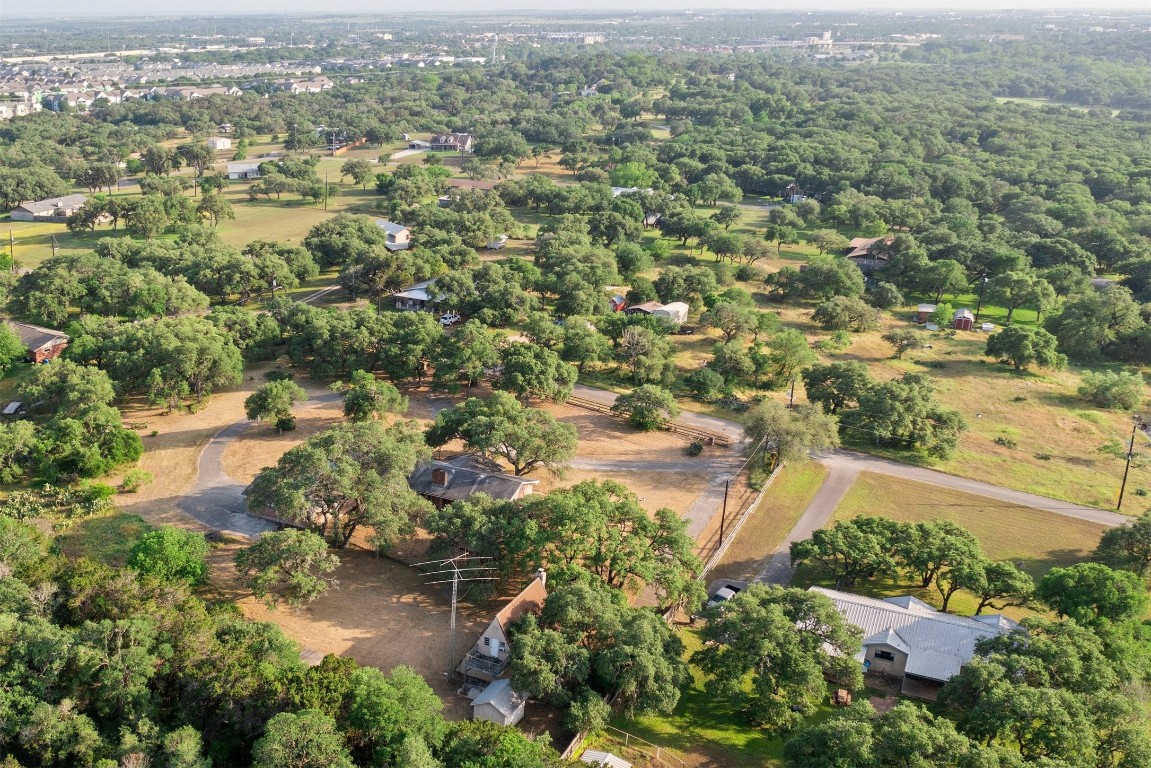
<point x="454" y="570"/>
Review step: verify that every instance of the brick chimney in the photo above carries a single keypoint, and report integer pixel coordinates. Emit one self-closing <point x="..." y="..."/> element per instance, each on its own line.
<point x="542" y="575"/>
<point x="439" y="477"/>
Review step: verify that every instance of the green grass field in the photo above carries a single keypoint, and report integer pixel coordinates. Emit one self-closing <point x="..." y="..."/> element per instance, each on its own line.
<point x="1035" y="540"/>
<point x="107" y="537"/>
<point x="781" y="506"/>
<point x="705" y="727"/>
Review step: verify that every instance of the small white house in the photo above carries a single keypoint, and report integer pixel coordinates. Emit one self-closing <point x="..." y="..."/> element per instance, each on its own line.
<point x="219" y="142"/>
<point x="675" y="311"/>
<point x="399" y="236"/>
<point x="243" y="170"/>
<point x="499" y="704"/>
<point x="54" y="209"/>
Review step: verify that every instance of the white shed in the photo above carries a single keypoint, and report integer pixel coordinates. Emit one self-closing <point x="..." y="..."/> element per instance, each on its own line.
<point x="676" y="311"/>
<point x="219" y="142"/>
<point x="499" y="704"/>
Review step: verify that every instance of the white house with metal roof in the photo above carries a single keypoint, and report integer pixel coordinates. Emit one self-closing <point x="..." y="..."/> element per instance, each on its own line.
<point x="908" y="638"/>
<point x="399" y="236"/>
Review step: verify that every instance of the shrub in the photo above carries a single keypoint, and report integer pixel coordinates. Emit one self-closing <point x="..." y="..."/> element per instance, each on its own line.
<point x="835" y="343"/>
<point x="1006" y="442"/>
<point x="705" y="384"/>
<point x="172" y="555"/>
<point x="1043" y="456"/>
<point x="135" y="479"/>
<point x="1123" y="391"/>
<point x="694" y="448"/>
<point x="747" y="273"/>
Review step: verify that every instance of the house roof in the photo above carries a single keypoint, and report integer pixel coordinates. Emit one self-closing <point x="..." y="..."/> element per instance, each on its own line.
<point x="464" y="481"/>
<point x="500" y="695"/>
<point x="647" y="306"/>
<point x="471" y="184"/>
<point x="241" y="167"/>
<point x="34" y="337"/>
<point x="937" y="644"/>
<point x="967" y="313"/>
<point x="925" y="308"/>
<point x="51" y="204"/>
<point x="530" y="600"/>
<point x="673" y="307"/>
<point x="391" y="227"/>
<point x="451" y="138"/>
<point x="861" y="247"/>
<point x="417" y="292"/>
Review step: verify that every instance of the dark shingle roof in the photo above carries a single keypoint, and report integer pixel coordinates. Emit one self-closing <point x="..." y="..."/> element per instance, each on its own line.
<point x="464" y="481"/>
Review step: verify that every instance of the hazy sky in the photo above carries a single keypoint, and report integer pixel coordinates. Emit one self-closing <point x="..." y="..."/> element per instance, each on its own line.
<point x="211" y="7"/>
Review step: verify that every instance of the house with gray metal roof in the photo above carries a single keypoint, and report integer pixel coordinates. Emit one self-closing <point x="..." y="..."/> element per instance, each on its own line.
<point x="399" y="236"/>
<point x="908" y="638"/>
<point x="53" y="209"/>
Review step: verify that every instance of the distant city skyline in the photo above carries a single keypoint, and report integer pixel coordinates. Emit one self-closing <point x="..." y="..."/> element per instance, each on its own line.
<point x="90" y="8"/>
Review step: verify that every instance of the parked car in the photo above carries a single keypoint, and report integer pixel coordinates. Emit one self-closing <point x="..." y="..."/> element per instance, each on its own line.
<point x="723" y="594"/>
<point x="449" y="318"/>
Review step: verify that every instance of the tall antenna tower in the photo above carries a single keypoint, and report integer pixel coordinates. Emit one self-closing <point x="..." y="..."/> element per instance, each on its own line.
<point x="453" y="571"/>
<point x="495" y="41"/>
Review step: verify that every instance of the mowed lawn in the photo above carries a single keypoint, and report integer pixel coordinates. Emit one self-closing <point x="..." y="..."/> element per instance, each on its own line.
<point x="781" y="506"/>
<point x="1035" y="540"/>
<point x="704" y="731"/>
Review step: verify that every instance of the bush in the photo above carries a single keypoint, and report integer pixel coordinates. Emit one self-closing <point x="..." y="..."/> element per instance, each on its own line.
<point x="705" y="384"/>
<point x="277" y="374"/>
<point x="135" y="479"/>
<point x="1006" y="442"/>
<point x="835" y="343"/>
<point x="172" y="555"/>
<point x="747" y="273"/>
<point x="885" y="296"/>
<point x="1123" y="391"/>
<point x="694" y="448"/>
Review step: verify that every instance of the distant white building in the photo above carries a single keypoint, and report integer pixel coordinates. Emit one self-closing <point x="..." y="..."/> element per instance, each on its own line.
<point x="243" y="170"/>
<point x="219" y="142"/>
<point x="676" y="311"/>
<point x="53" y="209"/>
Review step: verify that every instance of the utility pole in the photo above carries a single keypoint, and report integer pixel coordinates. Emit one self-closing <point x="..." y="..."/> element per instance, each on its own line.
<point x="1136" y="423"/>
<point x="54" y="246"/>
<point x="982" y="285"/>
<point x="325" y="190"/>
<point x="11" y="247"/>
<point x="454" y="570"/>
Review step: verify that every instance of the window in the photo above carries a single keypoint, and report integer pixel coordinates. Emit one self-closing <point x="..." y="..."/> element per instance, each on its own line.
<point x="487" y="642"/>
<point x="885" y="655"/>
<point x="503" y="647"/>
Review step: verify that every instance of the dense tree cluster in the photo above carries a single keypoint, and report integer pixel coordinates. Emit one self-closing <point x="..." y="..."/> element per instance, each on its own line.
<point x="126" y="667"/>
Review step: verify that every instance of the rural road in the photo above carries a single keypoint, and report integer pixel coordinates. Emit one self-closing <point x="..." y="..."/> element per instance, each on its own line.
<point x="845" y="466"/>
<point x="215" y="499"/>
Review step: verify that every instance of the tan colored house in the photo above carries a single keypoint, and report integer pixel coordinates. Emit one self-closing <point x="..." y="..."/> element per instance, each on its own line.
<point x="53" y="209"/>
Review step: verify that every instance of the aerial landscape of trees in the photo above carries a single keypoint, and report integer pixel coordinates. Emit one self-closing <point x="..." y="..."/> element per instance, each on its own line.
<point x="933" y="247"/>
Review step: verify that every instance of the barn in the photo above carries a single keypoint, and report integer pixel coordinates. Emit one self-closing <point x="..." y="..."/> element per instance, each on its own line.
<point x="964" y="320"/>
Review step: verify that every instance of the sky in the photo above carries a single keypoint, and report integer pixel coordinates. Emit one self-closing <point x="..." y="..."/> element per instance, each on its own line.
<point x="74" y="8"/>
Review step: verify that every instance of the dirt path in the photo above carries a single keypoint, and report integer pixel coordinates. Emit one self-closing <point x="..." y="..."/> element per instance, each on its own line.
<point x="698" y="420"/>
<point x="778" y="568"/>
<point x="215" y="499"/>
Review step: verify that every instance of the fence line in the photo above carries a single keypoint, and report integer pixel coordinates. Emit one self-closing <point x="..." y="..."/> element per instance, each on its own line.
<point x="743" y="517"/>
<point x="675" y="427"/>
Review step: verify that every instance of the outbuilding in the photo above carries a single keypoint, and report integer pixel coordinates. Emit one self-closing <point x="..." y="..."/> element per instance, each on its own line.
<point x="43" y="344"/>
<point x="243" y="171"/>
<point x="923" y="312"/>
<point x="964" y="320"/>
<point x="499" y="704"/>
<point x="675" y="311"/>
<point x="219" y="142"/>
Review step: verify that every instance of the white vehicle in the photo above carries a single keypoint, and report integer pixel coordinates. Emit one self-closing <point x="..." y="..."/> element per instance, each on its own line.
<point x="449" y="318"/>
<point x="723" y="595"/>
